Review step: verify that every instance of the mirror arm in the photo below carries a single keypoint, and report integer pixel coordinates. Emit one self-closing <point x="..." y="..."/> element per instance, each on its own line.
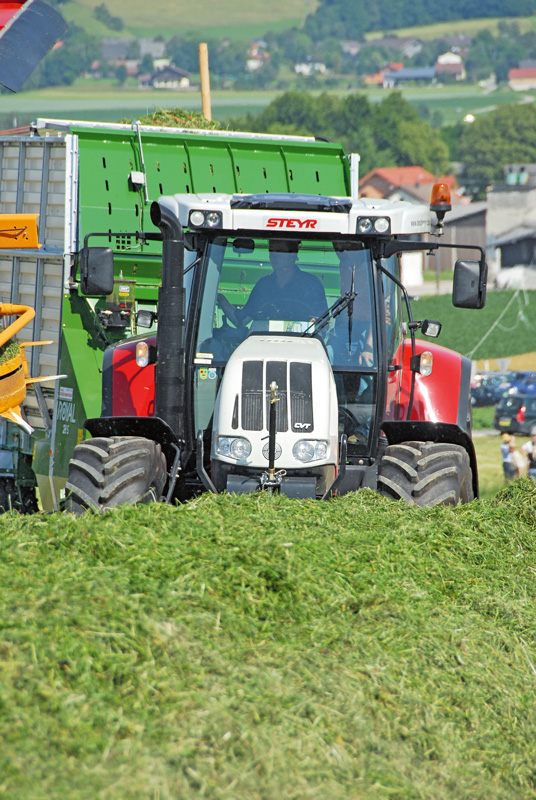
<point x="389" y="248"/>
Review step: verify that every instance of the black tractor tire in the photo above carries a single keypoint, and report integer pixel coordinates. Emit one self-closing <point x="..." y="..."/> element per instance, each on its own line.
<point x="107" y="472"/>
<point x="23" y="500"/>
<point x="426" y="474"/>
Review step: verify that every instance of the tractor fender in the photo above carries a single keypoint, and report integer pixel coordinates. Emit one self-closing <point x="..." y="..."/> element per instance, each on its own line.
<point x="444" y="395"/>
<point x="127" y="389"/>
<point x="441" y="409"/>
<point x="152" y="428"/>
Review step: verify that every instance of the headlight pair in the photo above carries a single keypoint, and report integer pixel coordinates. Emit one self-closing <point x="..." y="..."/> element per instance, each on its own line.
<point x="236" y="447"/>
<point x="307" y="450"/>
<point x="205" y="219"/>
<point x="368" y="225"/>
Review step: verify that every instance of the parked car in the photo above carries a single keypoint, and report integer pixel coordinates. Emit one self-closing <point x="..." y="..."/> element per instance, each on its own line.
<point x="522" y="382"/>
<point x="487" y="388"/>
<point x="516" y="414"/>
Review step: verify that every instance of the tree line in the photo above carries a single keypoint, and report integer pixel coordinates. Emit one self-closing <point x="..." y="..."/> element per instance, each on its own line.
<point x="352" y="20"/>
<point x="392" y="133"/>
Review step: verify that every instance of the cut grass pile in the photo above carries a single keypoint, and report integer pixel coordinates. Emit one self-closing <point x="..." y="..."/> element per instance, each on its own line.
<point x="177" y="118"/>
<point x="8" y="351"/>
<point x="255" y="647"/>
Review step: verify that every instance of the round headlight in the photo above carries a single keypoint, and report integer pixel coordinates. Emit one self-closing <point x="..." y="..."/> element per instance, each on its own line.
<point x="213" y="219"/>
<point x="364" y="225"/>
<point x="382" y="225"/>
<point x="197" y="218"/>
<point x="304" y="451"/>
<point x="240" y="448"/>
<point x="224" y="446"/>
<point x="321" y="450"/>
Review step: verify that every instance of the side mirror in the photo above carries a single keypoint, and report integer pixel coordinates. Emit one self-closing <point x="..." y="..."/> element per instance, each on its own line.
<point x="96" y="270"/>
<point x="469" y="284"/>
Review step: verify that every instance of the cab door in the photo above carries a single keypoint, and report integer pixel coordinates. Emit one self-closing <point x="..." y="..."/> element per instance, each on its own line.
<point x="393" y="334"/>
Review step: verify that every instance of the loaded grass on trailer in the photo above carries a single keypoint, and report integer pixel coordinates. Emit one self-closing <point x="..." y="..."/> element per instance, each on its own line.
<point x="255" y="647"/>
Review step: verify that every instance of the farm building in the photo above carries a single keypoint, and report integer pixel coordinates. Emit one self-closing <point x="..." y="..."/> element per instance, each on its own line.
<point x="518" y="246"/>
<point x="169" y="78"/>
<point x="409" y="75"/>
<point x="521" y="79"/>
<point x="402" y="183"/>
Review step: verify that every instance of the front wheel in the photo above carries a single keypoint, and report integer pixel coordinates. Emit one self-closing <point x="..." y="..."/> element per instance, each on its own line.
<point x="426" y="474"/>
<point x="107" y="472"/>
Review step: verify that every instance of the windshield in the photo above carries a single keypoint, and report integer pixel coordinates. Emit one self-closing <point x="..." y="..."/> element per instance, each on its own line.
<point x="289" y="286"/>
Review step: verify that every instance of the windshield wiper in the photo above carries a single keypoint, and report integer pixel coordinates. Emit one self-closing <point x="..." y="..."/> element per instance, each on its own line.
<point x="350" y="307"/>
<point x="344" y="301"/>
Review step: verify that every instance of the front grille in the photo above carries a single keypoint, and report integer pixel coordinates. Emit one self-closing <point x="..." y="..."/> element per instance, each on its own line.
<point x="256" y="380"/>
<point x="301" y="397"/>
<point x="252" y="395"/>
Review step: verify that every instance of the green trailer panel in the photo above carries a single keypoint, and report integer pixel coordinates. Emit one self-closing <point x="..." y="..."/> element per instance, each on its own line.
<point x="184" y="163"/>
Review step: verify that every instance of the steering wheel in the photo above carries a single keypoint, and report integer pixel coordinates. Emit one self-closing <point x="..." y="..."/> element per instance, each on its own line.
<point x="351" y="426"/>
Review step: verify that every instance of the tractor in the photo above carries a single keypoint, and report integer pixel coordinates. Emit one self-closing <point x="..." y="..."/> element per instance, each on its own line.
<point x="282" y="357"/>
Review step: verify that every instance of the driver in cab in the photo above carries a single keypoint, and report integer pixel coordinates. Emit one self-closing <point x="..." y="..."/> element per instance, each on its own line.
<point x="286" y="293"/>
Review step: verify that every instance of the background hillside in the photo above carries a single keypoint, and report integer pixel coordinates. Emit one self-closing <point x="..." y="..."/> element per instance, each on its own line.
<point x="238" y="20"/>
<point x="320" y="18"/>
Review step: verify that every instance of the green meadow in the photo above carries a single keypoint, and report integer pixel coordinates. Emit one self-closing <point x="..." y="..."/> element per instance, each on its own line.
<point x="257" y="648"/>
<point x="105" y="101"/>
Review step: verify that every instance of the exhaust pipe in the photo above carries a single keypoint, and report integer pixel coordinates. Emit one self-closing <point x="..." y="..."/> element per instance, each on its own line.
<point x="170" y="373"/>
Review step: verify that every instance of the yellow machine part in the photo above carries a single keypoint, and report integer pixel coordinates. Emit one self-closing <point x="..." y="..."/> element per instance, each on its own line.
<point x="18" y="231"/>
<point x="12" y="384"/>
<point x="14" y="375"/>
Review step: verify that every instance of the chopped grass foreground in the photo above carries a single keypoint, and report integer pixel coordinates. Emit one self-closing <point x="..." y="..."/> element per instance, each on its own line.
<point x="254" y="648"/>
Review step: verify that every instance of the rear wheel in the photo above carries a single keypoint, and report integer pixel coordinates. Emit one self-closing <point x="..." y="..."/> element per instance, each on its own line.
<point x="426" y="474"/>
<point x="107" y="472"/>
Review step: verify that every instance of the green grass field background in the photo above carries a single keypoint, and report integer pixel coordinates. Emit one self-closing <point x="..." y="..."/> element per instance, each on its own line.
<point x="107" y="102"/>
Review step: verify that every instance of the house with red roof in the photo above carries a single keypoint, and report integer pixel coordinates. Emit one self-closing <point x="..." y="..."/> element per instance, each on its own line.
<point x="412" y="183"/>
<point x="378" y="78"/>
<point x="522" y="78"/>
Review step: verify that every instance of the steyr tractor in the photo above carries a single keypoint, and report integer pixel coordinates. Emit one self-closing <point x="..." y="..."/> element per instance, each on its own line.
<point x="282" y="356"/>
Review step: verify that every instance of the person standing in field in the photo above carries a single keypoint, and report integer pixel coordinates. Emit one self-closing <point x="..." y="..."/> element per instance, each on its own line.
<point x="529" y="451"/>
<point x="507" y="461"/>
<point x="518" y="461"/>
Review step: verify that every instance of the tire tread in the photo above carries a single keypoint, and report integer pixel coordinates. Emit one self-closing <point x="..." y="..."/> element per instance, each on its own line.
<point x="426" y="474"/>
